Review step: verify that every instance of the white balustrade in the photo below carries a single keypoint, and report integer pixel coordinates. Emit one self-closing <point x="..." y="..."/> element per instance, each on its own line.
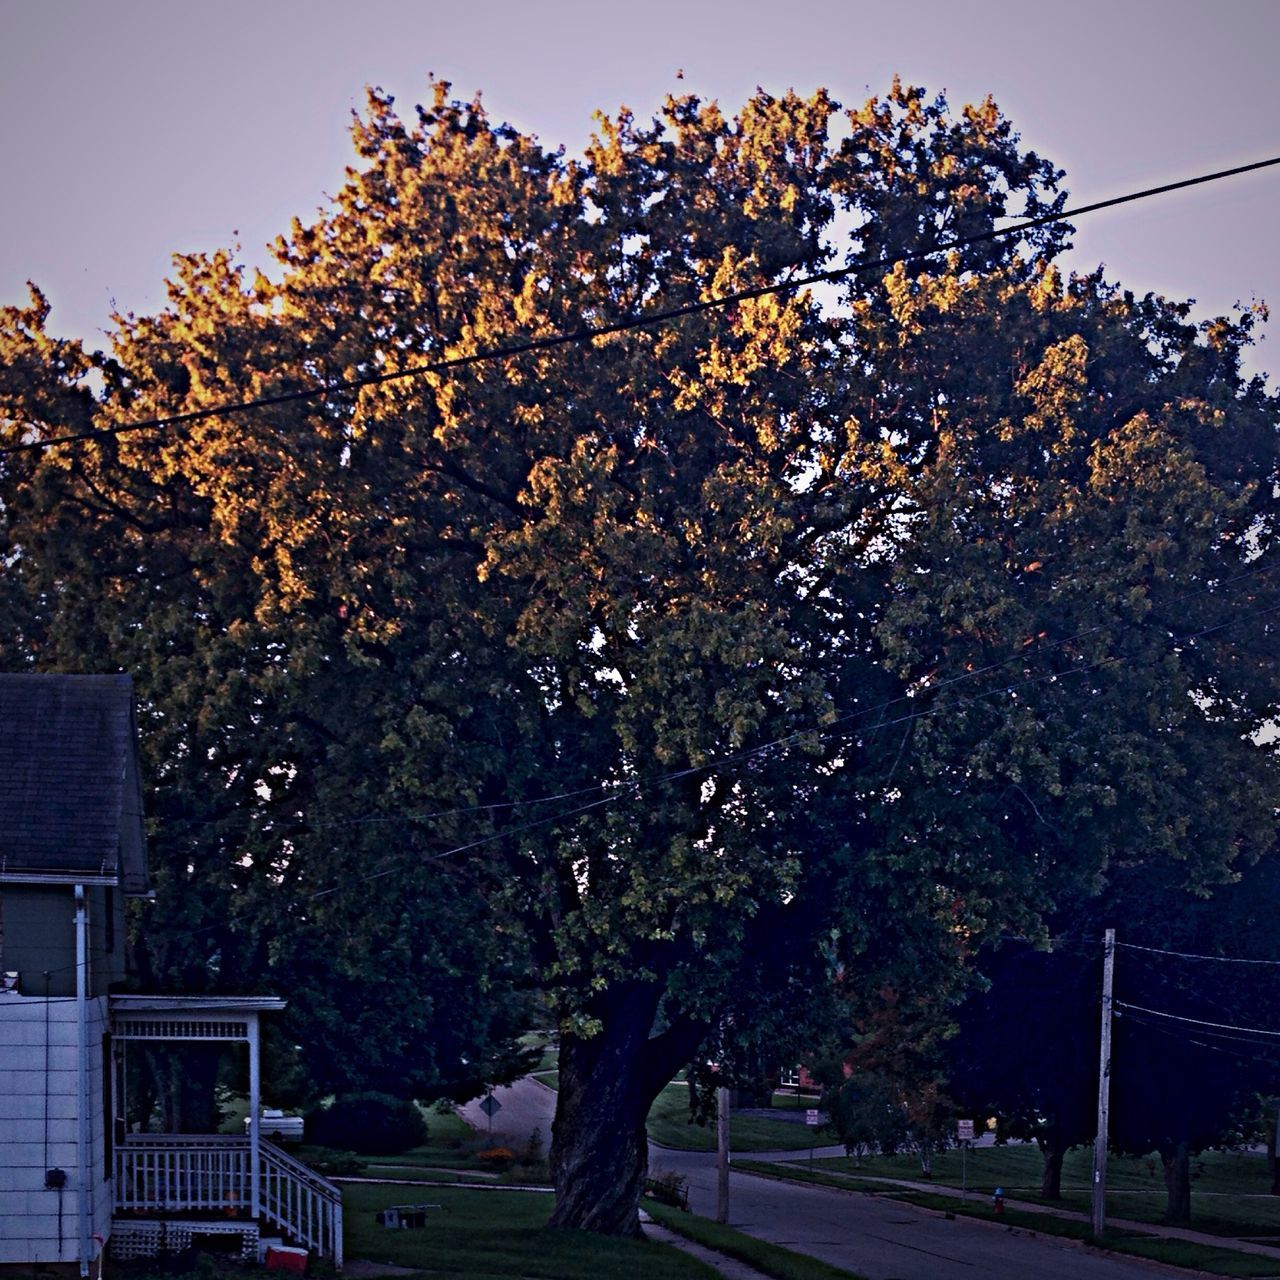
<point x="174" y="1173"/>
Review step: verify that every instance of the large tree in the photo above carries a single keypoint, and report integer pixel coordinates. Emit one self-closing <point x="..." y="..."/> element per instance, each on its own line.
<point x="729" y="663"/>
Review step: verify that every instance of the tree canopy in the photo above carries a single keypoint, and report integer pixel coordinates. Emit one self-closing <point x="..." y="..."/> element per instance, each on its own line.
<point x="696" y="674"/>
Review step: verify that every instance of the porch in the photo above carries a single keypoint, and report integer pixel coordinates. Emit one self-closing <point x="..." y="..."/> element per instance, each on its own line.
<point x="169" y="1188"/>
<point x="205" y="1184"/>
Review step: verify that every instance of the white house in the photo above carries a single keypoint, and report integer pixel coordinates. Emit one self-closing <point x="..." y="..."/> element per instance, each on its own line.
<point x="72" y="1180"/>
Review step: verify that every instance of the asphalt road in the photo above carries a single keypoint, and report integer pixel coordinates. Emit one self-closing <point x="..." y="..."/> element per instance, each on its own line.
<point x="887" y="1240"/>
<point x="880" y="1238"/>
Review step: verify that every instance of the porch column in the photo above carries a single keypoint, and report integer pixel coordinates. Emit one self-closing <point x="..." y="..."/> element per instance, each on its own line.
<point x="255" y="1108"/>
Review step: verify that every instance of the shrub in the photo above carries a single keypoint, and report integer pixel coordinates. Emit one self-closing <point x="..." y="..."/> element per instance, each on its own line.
<point x="372" y="1124"/>
<point x="496" y="1157"/>
<point x="334" y="1164"/>
<point x="668" y="1188"/>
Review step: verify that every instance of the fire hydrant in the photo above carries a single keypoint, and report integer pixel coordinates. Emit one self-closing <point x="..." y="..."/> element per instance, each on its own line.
<point x="997" y="1200"/>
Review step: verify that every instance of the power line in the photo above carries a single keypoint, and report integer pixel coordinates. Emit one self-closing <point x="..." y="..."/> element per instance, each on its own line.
<point x="1186" y="955"/>
<point x="587" y="333"/>
<point x="1197" y="1022"/>
<point x="1226" y="1039"/>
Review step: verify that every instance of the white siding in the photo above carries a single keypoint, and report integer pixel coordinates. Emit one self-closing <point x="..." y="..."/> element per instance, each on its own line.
<point x="39" y="1128"/>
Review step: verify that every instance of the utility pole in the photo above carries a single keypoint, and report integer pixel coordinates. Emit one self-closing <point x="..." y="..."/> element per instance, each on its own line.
<point x="1104" y="1086"/>
<point x="722" y="1155"/>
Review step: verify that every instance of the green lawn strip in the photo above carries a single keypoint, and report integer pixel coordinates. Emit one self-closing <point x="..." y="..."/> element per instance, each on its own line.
<point x="669" y="1124"/>
<point x="484" y="1235"/>
<point x="772" y="1259"/>
<point x="550" y="1078"/>
<point x="788" y="1172"/>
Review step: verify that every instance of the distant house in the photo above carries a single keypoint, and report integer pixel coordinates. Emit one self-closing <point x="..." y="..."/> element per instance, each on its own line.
<point x="72" y="1179"/>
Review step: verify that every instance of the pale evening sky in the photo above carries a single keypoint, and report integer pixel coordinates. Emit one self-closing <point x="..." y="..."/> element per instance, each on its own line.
<point x="135" y="129"/>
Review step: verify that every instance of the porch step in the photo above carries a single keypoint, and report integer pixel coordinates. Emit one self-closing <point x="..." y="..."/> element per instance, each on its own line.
<point x="149" y="1238"/>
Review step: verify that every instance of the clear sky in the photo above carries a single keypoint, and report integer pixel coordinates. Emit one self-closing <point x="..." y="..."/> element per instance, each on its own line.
<point x="134" y="129"/>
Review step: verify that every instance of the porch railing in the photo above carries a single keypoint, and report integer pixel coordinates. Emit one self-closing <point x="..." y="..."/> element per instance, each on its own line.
<point x="212" y="1173"/>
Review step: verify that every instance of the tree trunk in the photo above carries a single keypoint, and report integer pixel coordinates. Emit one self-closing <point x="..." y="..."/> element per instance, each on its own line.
<point x="599" y="1150"/>
<point x="1052" y="1150"/>
<point x="1177" y="1181"/>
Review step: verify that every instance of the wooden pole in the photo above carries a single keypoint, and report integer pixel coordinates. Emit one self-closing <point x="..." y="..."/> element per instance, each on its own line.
<point x="722" y="1155"/>
<point x="1104" y="1086"/>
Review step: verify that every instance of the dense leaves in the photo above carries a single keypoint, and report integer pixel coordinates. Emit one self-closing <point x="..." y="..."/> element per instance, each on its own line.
<point x="699" y="675"/>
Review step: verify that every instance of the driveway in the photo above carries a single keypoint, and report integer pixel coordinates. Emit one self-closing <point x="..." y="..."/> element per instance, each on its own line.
<point x="524" y="1107"/>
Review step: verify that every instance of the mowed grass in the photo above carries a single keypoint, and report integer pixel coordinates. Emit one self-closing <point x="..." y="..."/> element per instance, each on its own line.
<point x="1230" y="1191"/>
<point x="669" y="1124"/>
<point x="484" y="1235"/>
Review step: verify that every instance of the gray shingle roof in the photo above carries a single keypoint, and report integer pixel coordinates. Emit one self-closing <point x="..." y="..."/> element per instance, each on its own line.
<point x="70" y="797"/>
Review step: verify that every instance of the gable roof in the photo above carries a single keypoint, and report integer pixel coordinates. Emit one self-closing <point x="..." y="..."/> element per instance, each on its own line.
<point x="70" y="790"/>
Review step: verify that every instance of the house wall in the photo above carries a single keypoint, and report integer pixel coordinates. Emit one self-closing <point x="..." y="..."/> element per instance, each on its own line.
<point x="39" y="936"/>
<point x="39" y="1128"/>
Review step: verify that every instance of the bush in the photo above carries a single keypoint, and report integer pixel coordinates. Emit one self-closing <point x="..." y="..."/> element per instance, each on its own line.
<point x="333" y="1164"/>
<point x="668" y="1187"/>
<point x="372" y="1124"/>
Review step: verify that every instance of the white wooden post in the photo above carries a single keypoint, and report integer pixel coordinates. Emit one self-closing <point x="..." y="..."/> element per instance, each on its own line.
<point x="255" y="1107"/>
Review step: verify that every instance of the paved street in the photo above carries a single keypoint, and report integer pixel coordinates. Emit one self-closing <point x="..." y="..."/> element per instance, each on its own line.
<point x="882" y="1239"/>
<point x="887" y="1240"/>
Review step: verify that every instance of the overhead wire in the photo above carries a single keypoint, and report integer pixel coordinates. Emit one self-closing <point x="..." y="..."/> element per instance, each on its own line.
<point x="588" y="333"/>
<point x="1187" y="955"/>
<point x="1197" y="1022"/>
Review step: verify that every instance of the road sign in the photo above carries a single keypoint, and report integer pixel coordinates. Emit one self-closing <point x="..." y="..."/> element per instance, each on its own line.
<point x="812" y="1116"/>
<point x="964" y="1130"/>
<point x="490" y="1105"/>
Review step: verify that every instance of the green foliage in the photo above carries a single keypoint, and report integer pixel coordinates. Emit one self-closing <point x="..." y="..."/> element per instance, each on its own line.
<point x="709" y="678"/>
<point x="371" y="1124"/>
<point x="865" y="1113"/>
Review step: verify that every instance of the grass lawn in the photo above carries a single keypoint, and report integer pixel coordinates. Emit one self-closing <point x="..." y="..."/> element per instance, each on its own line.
<point x="490" y="1234"/>
<point x="669" y="1125"/>
<point x="772" y="1259"/>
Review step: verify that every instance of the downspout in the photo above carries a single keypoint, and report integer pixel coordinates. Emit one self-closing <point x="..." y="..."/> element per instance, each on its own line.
<point x="82" y="1077"/>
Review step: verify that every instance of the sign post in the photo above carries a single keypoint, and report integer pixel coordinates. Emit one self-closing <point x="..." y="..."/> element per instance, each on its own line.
<point x="811" y="1118"/>
<point x="964" y="1131"/>
<point x="489" y="1105"/>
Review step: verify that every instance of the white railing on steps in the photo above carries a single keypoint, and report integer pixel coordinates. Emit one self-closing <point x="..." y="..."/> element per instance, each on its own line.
<point x="208" y="1173"/>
